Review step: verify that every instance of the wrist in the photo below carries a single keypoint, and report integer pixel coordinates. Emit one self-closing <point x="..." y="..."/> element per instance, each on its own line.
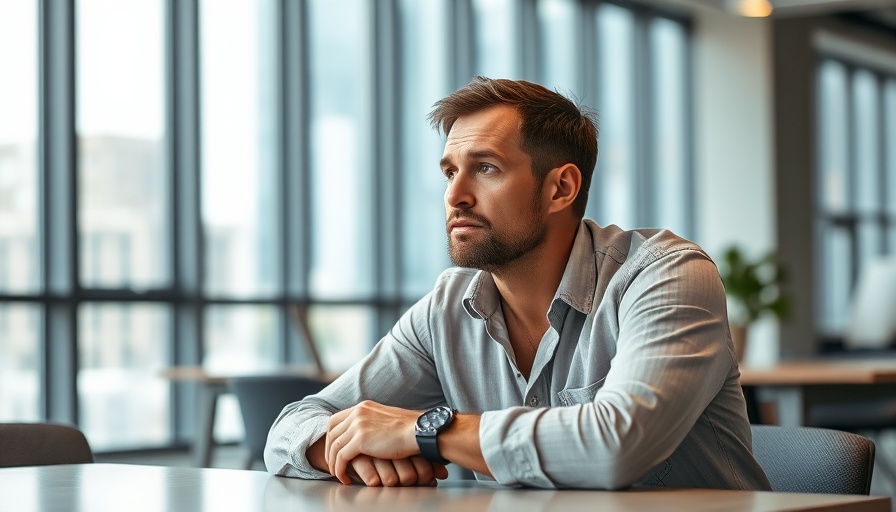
<point x="428" y="428"/>
<point x="316" y="456"/>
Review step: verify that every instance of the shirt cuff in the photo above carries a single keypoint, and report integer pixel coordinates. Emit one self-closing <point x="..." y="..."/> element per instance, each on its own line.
<point x="507" y="441"/>
<point x="292" y="447"/>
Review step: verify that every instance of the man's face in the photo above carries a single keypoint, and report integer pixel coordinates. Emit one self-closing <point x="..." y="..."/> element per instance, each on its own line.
<point x="493" y="203"/>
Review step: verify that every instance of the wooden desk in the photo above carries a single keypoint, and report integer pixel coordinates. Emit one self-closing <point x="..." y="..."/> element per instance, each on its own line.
<point x="211" y="385"/>
<point x="796" y="386"/>
<point x="101" y="487"/>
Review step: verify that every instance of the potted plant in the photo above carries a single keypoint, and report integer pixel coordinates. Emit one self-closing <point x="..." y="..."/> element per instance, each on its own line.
<point x="753" y="288"/>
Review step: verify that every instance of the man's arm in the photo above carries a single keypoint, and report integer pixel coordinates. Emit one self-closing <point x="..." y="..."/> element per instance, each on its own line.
<point x="383" y="432"/>
<point x="672" y="359"/>
<point x="399" y="371"/>
<point x="413" y="471"/>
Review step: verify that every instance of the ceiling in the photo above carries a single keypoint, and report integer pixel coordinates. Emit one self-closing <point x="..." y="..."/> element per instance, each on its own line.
<point x="878" y="12"/>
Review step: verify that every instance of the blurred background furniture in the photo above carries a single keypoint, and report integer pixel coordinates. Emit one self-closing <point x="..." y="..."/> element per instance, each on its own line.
<point x="852" y="389"/>
<point x="42" y="444"/>
<point x="814" y="460"/>
<point x="211" y="385"/>
<point x="261" y="399"/>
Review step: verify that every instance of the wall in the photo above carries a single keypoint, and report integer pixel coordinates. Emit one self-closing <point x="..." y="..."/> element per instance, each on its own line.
<point x="734" y="138"/>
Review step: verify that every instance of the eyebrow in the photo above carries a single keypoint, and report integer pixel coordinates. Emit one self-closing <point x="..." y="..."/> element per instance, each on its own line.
<point x="475" y="155"/>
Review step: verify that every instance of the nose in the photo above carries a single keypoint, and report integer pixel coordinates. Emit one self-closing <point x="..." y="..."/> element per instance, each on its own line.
<point x="459" y="193"/>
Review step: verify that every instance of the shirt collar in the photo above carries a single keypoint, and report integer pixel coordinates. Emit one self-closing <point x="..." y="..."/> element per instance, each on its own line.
<point x="481" y="300"/>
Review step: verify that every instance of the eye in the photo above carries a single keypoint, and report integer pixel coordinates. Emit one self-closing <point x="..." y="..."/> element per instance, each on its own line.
<point x="487" y="168"/>
<point x="449" y="173"/>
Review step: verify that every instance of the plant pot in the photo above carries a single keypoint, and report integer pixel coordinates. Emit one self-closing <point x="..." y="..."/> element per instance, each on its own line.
<point x="739" y="337"/>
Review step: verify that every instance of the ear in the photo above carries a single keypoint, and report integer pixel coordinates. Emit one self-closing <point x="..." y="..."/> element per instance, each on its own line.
<point x="563" y="184"/>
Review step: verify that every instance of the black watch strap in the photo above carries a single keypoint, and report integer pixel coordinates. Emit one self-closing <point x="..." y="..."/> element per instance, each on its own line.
<point x="429" y="448"/>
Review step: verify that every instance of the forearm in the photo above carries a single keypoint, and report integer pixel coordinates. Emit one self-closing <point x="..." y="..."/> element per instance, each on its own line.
<point x="460" y="444"/>
<point x="316" y="455"/>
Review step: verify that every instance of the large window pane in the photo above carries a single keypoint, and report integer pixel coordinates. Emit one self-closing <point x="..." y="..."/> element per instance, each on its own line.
<point x="20" y="341"/>
<point x="670" y="128"/>
<point x="122" y="348"/>
<point x="19" y="262"/>
<point x="496" y="45"/>
<point x="425" y="80"/>
<point x="239" y="192"/>
<point x="343" y="334"/>
<point x="890" y="145"/>
<point x="239" y="339"/>
<point x="614" y="185"/>
<point x="836" y="262"/>
<point x="122" y="180"/>
<point x="833" y="134"/>
<point x="867" y="164"/>
<point x="342" y="263"/>
<point x="560" y="46"/>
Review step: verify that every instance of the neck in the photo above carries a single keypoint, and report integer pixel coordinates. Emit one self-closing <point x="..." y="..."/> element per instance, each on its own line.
<point x="528" y="285"/>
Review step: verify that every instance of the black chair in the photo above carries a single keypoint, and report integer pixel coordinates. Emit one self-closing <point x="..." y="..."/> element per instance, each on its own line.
<point x="42" y="444"/>
<point x="814" y="460"/>
<point x="262" y="399"/>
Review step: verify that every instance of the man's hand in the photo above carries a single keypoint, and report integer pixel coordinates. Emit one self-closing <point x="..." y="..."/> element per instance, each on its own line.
<point x="414" y="471"/>
<point x="373" y="429"/>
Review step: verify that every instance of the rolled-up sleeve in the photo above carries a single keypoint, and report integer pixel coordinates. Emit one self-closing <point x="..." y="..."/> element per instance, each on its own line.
<point x="672" y="358"/>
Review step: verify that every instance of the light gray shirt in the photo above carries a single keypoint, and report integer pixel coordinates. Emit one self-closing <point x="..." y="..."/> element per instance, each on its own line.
<point x="635" y="382"/>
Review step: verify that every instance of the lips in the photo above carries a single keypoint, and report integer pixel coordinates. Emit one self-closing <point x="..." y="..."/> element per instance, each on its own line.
<point x="463" y="226"/>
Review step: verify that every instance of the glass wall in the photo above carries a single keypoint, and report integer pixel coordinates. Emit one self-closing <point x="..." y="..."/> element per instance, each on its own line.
<point x="855" y="215"/>
<point x="253" y="176"/>
<point x="20" y="272"/>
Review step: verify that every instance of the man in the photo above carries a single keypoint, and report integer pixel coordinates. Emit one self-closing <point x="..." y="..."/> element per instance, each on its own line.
<point x="567" y="354"/>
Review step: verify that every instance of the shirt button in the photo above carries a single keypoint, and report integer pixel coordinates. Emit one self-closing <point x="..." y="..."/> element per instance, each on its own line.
<point x="533" y="401"/>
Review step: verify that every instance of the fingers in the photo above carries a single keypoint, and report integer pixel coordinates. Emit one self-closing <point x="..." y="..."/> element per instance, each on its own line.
<point x="414" y="471"/>
<point x="407" y="473"/>
<point x="441" y="471"/>
<point x="366" y="470"/>
<point x="424" y="469"/>
<point x="340" y="457"/>
<point x="387" y="472"/>
<point x="335" y="428"/>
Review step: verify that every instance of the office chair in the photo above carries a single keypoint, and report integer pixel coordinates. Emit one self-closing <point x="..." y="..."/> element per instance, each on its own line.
<point x="42" y="444"/>
<point x="814" y="460"/>
<point x="261" y="400"/>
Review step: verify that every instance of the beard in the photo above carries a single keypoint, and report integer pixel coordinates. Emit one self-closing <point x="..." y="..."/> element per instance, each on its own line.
<point x="497" y="250"/>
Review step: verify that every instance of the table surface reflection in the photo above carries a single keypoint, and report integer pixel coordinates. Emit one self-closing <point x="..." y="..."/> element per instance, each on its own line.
<point x="123" y="487"/>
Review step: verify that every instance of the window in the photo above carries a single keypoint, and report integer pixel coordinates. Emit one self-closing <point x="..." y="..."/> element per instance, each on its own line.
<point x="245" y="172"/>
<point x="638" y="83"/>
<point x="122" y="221"/>
<point x="856" y="173"/>
<point x="20" y="336"/>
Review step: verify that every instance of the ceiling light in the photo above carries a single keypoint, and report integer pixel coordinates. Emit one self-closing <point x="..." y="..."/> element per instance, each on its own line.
<point x="752" y="8"/>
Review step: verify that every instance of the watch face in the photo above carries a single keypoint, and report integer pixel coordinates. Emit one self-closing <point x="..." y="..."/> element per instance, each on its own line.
<point x="433" y="419"/>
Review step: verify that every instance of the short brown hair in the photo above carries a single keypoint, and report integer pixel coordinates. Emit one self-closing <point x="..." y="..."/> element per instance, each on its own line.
<point x="554" y="131"/>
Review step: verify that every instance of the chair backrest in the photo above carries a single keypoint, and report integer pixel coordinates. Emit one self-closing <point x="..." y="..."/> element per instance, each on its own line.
<point x="814" y="460"/>
<point x="872" y="315"/>
<point x="42" y="444"/>
<point x="262" y="399"/>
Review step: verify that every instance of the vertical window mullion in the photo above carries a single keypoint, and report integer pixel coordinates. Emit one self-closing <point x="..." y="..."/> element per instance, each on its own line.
<point x="182" y="99"/>
<point x="385" y="137"/>
<point x="57" y="168"/>
<point x="644" y="194"/>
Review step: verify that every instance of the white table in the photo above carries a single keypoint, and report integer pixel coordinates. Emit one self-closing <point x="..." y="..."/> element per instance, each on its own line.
<point x="123" y="487"/>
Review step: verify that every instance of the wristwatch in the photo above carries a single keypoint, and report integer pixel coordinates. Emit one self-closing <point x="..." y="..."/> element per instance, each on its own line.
<point x="428" y="426"/>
